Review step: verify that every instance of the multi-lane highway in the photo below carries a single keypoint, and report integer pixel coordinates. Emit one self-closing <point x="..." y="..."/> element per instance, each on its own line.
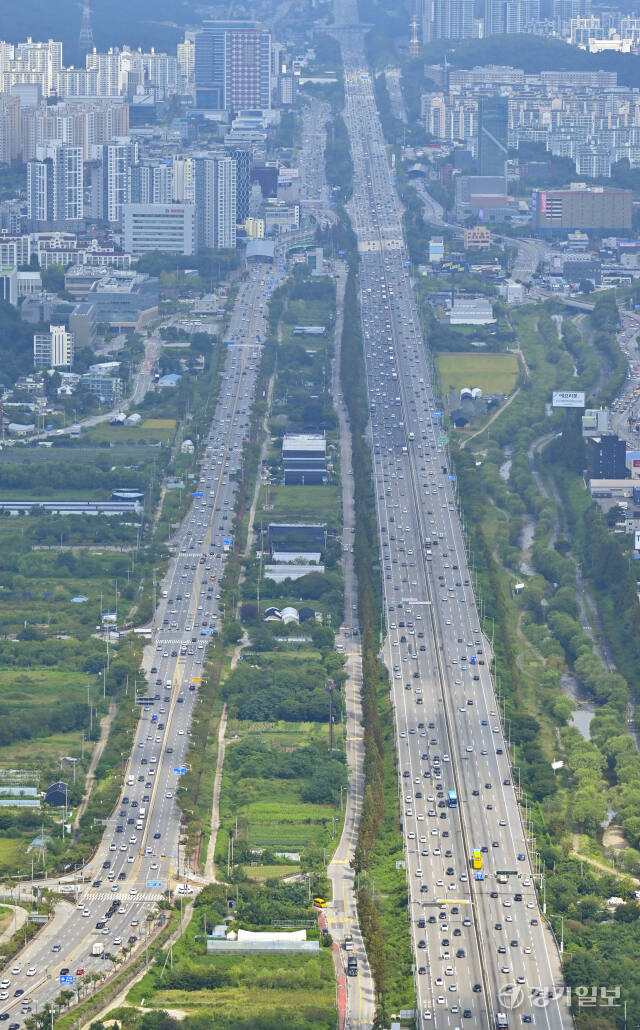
<point x="481" y="946"/>
<point x="139" y="860"/>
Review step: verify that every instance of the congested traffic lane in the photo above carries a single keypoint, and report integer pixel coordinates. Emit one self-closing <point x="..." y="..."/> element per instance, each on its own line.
<point x="449" y="735"/>
<point x="138" y="860"/>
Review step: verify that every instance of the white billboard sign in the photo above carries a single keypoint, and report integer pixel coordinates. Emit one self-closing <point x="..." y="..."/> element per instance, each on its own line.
<point x="637" y="540"/>
<point x="568" y="399"/>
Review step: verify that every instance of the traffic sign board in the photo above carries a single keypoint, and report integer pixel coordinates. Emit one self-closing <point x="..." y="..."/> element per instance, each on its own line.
<point x="66" y="979"/>
<point x="437" y="414"/>
<point x="180" y="770"/>
<point x="154" y="883"/>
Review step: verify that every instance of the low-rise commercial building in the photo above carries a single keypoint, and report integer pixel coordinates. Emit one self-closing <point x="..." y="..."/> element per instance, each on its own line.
<point x="122" y="297"/>
<point x="606" y="457"/>
<point x="471" y="311"/>
<point x="477" y="237"/>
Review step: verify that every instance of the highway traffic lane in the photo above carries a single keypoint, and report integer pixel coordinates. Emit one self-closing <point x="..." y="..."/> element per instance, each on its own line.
<point x="77" y="936"/>
<point x="385" y="585"/>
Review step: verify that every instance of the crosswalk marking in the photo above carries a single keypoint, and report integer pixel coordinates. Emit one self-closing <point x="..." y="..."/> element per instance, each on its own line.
<point x="117" y="896"/>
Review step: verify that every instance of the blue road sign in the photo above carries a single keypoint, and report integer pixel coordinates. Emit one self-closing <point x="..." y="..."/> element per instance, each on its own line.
<point x="229" y="343"/>
<point x="154" y="883"/>
<point x="451" y="479"/>
<point x="199" y="494"/>
<point x="180" y="770"/>
<point x="226" y="541"/>
<point x="407" y="264"/>
<point x="437" y="414"/>
<point x="66" y="979"/>
<point x="341" y="252"/>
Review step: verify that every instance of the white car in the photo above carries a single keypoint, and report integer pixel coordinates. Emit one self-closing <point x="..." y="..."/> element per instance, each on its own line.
<point x="16" y="970"/>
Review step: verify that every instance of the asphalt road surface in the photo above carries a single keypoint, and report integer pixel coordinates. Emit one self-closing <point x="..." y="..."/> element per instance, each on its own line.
<point x="481" y="946"/>
<point x="139" y="861"/>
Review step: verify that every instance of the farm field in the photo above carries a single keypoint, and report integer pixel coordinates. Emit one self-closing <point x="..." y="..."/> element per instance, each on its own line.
<point x="294" y="503"/>
<point x="151" y="429"/>
<point x="493" y="373"/>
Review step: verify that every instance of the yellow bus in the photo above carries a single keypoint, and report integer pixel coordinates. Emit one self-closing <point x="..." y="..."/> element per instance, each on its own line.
<point x="476" y="861"/>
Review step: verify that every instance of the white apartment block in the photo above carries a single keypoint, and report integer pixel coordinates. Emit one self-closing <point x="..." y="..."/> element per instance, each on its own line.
<point x="53" y="349"/>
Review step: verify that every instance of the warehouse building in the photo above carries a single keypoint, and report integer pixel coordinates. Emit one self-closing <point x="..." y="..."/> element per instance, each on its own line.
<point x="304" y="457"/>
<point x="581" y="207"/>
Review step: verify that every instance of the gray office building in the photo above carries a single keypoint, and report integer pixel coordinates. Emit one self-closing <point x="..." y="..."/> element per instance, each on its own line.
<point x="493" y="124"/>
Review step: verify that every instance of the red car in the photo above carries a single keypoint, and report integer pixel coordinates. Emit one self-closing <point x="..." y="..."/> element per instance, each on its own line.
<point x="80" y="972"/>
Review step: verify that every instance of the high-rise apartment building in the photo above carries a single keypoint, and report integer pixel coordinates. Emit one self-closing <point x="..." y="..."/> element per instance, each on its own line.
<point x="453" y="19"/>
<point x="118" y="158"/>
<point x="183" y="180"/>
<point x="45" y="59"/>
<point x="53" y="349"/>
<point x="10" y="144"/>
<point x="151" y="183"/>
<point x="40" y="192"/>
<point x="215" y="198"/>
<point x="564" y="10"/>
<point x="186" y="59"/>
<point x="493" y="124"/>
<point x="233" y="66"/>
<point x="55" y="186"/>
<point x="509" y="16"/>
